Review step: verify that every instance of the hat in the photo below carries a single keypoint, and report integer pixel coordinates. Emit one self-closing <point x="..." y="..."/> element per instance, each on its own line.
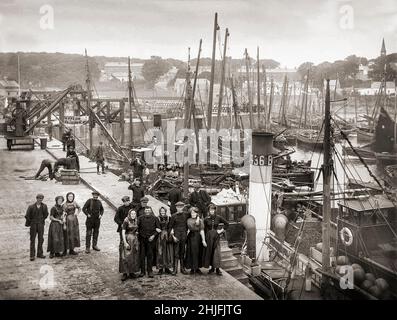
<point x="211" y="205"/>
<point x="40" y="195"/>
<point x="144" y="199"/>
<point x="179" y="204"/>
<point x="125" y="198"/>
<point x="95" y="192"/>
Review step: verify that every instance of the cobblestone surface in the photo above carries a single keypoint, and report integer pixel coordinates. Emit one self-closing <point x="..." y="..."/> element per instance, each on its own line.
<point x="85" y="276"/>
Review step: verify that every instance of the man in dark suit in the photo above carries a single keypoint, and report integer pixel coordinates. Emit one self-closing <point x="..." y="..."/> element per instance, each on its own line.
<point x="174" y="196"/>
<point x="200" y="199"/>
<point x="35" y="219"/>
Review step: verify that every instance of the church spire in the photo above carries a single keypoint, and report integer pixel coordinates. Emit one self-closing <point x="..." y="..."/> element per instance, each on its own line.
<point x="383" y="50"/>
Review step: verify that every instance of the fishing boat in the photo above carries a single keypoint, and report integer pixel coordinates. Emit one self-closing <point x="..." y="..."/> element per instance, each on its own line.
<point x="310" y="138"/>
<point x="359" y="243"/>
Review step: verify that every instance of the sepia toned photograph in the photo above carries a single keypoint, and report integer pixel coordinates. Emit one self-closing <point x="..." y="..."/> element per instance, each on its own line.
<point x="186" y="150"/>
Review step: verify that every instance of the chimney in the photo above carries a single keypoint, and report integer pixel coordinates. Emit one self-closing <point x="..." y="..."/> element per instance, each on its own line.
<point x="260" y="188"/>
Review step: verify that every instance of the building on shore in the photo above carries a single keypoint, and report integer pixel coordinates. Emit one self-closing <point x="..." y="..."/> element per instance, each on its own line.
<point x="119" y="71"/>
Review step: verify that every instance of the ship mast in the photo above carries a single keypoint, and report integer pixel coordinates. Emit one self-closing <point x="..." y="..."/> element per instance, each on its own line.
<point x="91" y="116"/>
<point x="130" y="98"/>
<point x="258" y="84"/>
<point x="248" y="88"/>
<point x="327" y="173"/>
<point x="211" y="93"/>
<point x="218" y="119"/>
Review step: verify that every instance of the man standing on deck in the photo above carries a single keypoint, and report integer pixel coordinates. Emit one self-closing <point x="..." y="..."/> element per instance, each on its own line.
<point x="148" y="229"/>
<point x="50" y="128"/>
<point x="65" y="137"/>
<point x="174" y="196"/>
<point x="93" y="209"/>
<point x="138" y="165"/>
<point x="200" y="199"/>
<point x="100" y="158"/>
<point x="35" y="219"/>
<point x="178" y="230"/>
<point x="138" y="192"/>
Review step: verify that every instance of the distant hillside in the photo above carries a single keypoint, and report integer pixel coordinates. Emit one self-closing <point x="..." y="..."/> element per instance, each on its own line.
<point x="57" y="70"/>
<point x="40" y="70"/>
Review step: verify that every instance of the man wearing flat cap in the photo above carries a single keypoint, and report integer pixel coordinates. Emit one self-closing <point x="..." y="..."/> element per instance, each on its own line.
<point x="200" y="199"/>
<point x="177" y="228"/>
<point x="93" y="209"/>
<point x="138" y="192"/>
<point x="35" y="219"/>
<point x="140" y="209"/>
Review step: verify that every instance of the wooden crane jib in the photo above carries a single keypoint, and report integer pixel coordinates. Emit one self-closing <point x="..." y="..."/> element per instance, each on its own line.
<point x="51" y="107"/>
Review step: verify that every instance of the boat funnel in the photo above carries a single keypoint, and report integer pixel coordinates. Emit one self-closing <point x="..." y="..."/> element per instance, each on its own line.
<point x="260" y="187"/>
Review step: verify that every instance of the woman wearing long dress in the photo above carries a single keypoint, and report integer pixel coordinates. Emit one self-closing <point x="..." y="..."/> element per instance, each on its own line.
<point x="130" y="250"/>
<point x="55" y="233"/>
<point x="71" y="232"/>
<point x="165" y="246"/>
<point x="195" y="242"/>
<point x="212" y="253"/>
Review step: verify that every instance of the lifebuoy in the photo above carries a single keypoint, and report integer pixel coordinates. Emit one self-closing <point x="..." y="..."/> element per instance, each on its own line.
<point x="346" y="232"/>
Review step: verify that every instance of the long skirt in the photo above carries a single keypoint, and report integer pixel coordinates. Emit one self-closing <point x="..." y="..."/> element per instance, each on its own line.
<point x="165" y="251"/>
<point x="72" y="233"/>
<point x="194" y="251"/>
<point x="130" y="258"/>
<point x="212" y="253"/>
<point x="55" y="238"/>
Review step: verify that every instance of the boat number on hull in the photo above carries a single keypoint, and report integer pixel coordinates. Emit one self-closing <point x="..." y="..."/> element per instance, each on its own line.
<point x="262" y="160"/>
<point x="346" y="236"/>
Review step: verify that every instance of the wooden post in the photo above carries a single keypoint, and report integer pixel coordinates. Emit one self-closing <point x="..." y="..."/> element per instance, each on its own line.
<point x="211" y="93"/>
<point x="248" y="89"/>
<point x="327" y="173"/>
<point x="122" y="121"/>
<point x="218" y="119"/>
<point x="61" y="119"/>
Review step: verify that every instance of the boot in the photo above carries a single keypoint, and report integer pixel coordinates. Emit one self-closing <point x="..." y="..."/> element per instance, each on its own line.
<point x="212" y="270"/>
<point x="124" y="277"/>
<point x="160" y="271"/>
<point x="218" y="272"/>
<point x="167" y="271"/>
<point x="183" y="270"/>
<point x="175" y="267"/>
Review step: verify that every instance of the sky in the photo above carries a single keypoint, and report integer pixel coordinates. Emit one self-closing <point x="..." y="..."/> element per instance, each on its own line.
<point x="288" y="31"/>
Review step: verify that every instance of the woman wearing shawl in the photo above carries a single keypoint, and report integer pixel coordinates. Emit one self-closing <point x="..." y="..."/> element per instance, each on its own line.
<point x="165" y="246"/>
<point x="130" y="253"/>
<point x="195" y="242"/>
<point x="55" y="233"/>
<point x="212" y="254"/>
<point x="71" y="227"/>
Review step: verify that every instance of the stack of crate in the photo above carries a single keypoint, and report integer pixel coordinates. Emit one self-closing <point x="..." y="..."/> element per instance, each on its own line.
<point x="70" y="176"/>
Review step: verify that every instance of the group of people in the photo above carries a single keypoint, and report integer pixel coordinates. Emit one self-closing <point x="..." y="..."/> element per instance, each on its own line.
<point x="186" y="239"/>
<point x="63" y="233"/>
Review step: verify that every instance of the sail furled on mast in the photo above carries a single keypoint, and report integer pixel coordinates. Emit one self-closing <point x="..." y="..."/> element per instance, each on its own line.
<point x="384" y="133"/>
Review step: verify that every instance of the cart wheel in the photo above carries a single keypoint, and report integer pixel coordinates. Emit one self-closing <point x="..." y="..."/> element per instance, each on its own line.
<point x="9" y="144"/>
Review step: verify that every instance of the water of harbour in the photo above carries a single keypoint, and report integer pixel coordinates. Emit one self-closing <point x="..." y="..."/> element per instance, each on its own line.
<point x="345" y="167"/>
